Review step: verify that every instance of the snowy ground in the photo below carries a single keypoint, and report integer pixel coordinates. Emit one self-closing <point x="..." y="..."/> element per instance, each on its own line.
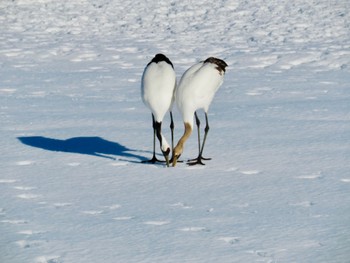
<point x="74" y="130"/>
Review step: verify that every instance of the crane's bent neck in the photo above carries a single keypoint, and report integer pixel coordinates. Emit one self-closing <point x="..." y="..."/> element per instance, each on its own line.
<point x="183" y="139"/>
<point x="164" y="145"/>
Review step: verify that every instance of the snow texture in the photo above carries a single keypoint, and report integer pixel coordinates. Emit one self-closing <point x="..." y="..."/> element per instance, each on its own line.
<point x="74" y="132"/>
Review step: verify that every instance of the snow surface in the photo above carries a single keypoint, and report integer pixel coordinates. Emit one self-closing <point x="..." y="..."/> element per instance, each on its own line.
<point x="74" y="130"/>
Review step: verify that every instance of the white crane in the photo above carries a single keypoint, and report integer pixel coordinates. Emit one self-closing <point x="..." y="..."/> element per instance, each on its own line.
<point x="157" y="92"/>
<point x="196" y="90"/>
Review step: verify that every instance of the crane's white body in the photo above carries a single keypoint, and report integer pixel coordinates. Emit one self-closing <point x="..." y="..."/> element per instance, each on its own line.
<point x="197" y="88"/>
<point x="158" y="85"/>
<point x="157" y="91"/>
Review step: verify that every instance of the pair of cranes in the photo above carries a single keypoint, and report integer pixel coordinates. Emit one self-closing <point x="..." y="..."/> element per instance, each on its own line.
<point x="195" y="90"/>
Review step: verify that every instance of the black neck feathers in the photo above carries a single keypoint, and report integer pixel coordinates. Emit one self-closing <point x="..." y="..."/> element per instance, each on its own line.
<point x="159" y="58"/>
<point x="221" y="65"/>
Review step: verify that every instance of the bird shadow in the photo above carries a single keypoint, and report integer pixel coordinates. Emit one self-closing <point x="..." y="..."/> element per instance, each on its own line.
<point x="95" y="146"/>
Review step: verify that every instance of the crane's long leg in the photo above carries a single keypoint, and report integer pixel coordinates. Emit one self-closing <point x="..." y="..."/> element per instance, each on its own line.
<point x="154" y="158"/>
<point x="200" y="157"/>
<point x="198" y="123"/>
<point x="206" y="130"/>
<point x="172" y="126"/>
<point x="172" y="130"/>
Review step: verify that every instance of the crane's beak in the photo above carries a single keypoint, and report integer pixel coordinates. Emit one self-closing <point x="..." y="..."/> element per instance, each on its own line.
<point x="174" y="161"/>
<point x="166" y="156"/>
<point x="175" y="158"/>
<point x="167" y="160"/>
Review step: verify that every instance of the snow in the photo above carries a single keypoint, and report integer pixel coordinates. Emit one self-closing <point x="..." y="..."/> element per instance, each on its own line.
<point x="74" y="130"/>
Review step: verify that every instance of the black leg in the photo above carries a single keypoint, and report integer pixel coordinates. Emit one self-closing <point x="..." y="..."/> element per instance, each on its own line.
<point x="200" y="157"/>
<point x="158" y="126"/>
<point x="198" y="123"/>
<point x="172" y="126"/>
<point x="154" y="158"/>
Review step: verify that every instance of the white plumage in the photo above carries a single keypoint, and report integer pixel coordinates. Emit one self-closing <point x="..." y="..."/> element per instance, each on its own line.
<point x="196" y="90"/>
<point x="157" y="92"/>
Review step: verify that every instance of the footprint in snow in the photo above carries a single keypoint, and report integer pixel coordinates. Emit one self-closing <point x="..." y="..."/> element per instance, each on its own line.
<point x="30" y="232"/>
<point x="253" y="93"/>
<point x="7" y="91"/>
<point x="73" y="164"/>
<point x="24" y="163"/>
<point x="302" y="204"/>
<point x="87" y="56"/>
<point x="48" y="259"/>
<point x="258" y="91"/>
<point x="194" y="229"/>
<point x="24" y="188"/>
<point x="232" y="169"/>
<point x="14" y="222"/>
<point x="345" y="180"/>
<point x="123" y="218"/>
<point x="60" y="205"/>
<point x="28" y="196"/>
<point x="241" y="205"/>
<point x="92" y="212"/>
<point x="229" y="240"/>
<point x="261" y="253"/>
<point x="29" y="243"/>
<point x="112" y="207"/>
<point x="157" y="223"/>
<point x="101" y="211"/>
<point x="310" y="176"/>
<point x="182" y="205"/>
<point x="119" y="163"/>
<point x="126" y="65"/>
<point x="7" y="181"/>
<point x="250" y="172"/>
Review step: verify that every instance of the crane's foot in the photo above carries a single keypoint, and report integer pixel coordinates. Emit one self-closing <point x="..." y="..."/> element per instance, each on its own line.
<point x="197" y="160"/>
<point x="153" y="160"/>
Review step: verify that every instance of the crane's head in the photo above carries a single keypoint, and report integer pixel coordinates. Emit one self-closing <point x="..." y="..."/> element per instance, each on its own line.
<point x="166" y="153"/>
<point x="176" y="153"/>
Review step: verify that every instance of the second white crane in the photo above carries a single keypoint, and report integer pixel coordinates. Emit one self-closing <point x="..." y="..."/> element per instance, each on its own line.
<point x="196" y="90"/>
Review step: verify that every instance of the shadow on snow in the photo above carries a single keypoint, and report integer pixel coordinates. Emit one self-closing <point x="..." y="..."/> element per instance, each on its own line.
<point x="95" y="146"/>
